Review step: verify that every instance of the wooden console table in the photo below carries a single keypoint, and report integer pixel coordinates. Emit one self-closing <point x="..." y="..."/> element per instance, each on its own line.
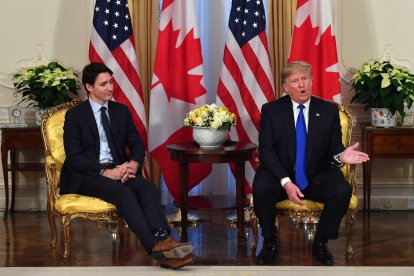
<point x="395" y="142"/>
<point x="231" y="152"/>
<point x="12" y="139"/>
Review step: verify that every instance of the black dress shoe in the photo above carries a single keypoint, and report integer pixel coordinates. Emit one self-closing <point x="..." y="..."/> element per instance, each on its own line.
<point x="268" y="254"/>
<point x="321" y="251"/>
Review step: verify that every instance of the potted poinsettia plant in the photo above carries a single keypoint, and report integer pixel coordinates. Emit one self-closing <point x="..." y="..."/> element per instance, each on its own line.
<point x="45" y="85"/>
<point x="383" y="84"/>
<point x="211" y="124"/>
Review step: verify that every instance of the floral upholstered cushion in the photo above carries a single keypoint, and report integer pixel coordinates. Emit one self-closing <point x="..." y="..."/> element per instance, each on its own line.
<point x="74" y="203"/>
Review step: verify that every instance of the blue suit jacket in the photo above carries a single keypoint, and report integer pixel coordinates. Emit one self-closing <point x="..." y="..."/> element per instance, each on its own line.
<point x="81" y="142"/>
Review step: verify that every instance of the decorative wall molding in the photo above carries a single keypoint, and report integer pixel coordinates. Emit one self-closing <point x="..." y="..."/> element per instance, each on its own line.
<point x="6" y="80"/>
<point x="362" y="34"/>
<point x="39" y="58"/>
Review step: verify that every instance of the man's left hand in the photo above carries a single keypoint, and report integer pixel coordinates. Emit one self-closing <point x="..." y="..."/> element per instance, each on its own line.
<point x="352" y="156"/>
<point x="131" y="169"/>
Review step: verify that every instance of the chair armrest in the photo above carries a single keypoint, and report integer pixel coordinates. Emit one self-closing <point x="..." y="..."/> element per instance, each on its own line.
<point x="52" y="180"/>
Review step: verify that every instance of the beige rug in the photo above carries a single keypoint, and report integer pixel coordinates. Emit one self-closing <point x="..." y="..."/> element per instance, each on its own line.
<point x="209" y="271"/>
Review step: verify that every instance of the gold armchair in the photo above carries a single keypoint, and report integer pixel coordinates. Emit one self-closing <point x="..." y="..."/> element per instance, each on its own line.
<point x="69" y="206"/>
<point x="312" y="209"/>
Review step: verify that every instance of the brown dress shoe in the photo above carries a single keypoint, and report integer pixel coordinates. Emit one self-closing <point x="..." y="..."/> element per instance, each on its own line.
<point x="171" y="249"/>
<point x="177" y="263"/>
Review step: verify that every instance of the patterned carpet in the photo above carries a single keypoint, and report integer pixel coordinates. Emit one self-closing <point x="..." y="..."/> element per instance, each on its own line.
<point x="209" y="271"/>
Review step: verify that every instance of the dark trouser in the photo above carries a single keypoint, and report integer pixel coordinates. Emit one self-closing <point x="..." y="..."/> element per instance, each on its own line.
<point x="136" y="200"/>
<point x="331" y="189"/>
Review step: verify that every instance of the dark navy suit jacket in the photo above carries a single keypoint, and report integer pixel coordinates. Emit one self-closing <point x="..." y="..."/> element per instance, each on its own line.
<point x="277" y="139"/>
<point x="81" y="142"/>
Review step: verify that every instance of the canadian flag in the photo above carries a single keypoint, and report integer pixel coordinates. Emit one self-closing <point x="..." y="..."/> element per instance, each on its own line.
<point x="177" y="87"/>
<point x="313" y="41"/>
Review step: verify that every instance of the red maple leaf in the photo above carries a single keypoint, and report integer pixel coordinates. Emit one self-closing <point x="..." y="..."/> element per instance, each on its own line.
<point x="173" y="65"/>
<point x="321" y="56"/>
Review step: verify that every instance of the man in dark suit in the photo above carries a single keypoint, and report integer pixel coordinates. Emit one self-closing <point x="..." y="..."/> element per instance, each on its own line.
<point x="317" y="177"/>
<point x="103" y="160"/>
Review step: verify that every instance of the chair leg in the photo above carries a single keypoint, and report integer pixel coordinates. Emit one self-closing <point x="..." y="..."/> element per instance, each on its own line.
<point x="65" y="223"/>
<point x="253" y="221"/>
<point x="121" y="226"/>
<point x="52" y="223"/>
<point x="349" y="230"/>
<point x="277" y="228"/>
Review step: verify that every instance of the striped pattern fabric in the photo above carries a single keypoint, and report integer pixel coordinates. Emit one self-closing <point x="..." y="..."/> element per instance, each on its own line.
<point x="246" y="81"/>
<point x="112" y="43"/>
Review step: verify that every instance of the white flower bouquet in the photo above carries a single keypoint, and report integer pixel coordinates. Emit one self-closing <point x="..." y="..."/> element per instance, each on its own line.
<point x="210" y="116"/>
<point x="383" y="84"/>
<point x="45" y="86"/>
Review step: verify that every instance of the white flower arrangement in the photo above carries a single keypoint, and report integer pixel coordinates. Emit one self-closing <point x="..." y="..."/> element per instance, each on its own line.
<point x="380" y="84"/>
<point x="210" y="116"/>
<point x="45" y="85"/>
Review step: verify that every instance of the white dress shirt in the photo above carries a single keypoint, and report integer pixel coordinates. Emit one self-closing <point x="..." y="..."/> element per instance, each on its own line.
<point x="104" y="151"/>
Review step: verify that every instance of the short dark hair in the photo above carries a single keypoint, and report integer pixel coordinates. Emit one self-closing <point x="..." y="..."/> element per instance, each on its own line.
<point x="91" y="71"/>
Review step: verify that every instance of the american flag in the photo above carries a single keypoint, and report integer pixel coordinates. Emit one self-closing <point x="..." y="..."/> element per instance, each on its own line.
<point x="112" y="43"/>
<point x="246" y="81"/>
<point x="314" y="41"/>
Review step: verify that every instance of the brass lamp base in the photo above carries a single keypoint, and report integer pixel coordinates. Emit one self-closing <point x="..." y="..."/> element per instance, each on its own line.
<point x="308" y="224"/>
<point x="232" y="219"/>
<point x="175" y="219"/>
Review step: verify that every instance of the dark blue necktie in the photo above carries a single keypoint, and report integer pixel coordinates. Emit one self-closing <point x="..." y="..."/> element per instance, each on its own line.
<point x="109" y="137"/>
<point x="300" y="172"/>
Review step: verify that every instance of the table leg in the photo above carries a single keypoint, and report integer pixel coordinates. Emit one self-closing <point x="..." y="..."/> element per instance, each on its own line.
<point x="4" y="161"/>
<point x="240" y="199"/>
<point x="13" y="179"/>
<point x="364" y="184"/>
<point x="184" y="199"/>
<point x="368" y="185"/>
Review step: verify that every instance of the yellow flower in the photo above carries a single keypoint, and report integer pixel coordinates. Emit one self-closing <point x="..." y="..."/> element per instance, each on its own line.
<point x="210" y="115"/>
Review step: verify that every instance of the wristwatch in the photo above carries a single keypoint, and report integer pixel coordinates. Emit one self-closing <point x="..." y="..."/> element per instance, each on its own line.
<point x="337" y="162"/>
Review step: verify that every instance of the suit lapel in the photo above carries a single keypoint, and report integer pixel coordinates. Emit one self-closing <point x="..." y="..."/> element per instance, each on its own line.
<point x="313" y="125"/>
<point x="289" y="128"/>
<point x="91" y="122"/>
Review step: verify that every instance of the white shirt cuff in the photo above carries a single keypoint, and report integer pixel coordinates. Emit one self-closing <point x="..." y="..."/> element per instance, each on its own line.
<point x="284" y="181"/>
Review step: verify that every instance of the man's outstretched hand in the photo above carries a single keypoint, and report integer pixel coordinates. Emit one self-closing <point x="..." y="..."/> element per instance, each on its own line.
<point x="352" y="156"/>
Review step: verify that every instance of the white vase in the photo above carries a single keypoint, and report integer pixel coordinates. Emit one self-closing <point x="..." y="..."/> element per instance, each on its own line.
<point x="210" y="138"/>
<point x="383" y="117"/>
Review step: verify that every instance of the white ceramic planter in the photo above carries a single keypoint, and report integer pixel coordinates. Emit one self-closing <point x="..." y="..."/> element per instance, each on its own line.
<point x="210" y="138"/>
<point x="382" y="117"/>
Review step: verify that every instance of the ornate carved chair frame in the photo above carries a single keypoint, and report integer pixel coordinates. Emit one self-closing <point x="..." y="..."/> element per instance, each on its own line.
<point x="312" y="209"/>
<point x="70" y="206"/>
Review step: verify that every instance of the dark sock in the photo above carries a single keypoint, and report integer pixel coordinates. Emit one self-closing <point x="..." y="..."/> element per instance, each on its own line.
<point x="267" y="241"/>
<point x="319" y="239"/>
<point x="160" y="234"/>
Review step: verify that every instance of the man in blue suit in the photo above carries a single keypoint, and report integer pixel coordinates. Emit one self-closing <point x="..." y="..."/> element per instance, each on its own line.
<point x="104" y="154"/>
<point x="317" y="176"/>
